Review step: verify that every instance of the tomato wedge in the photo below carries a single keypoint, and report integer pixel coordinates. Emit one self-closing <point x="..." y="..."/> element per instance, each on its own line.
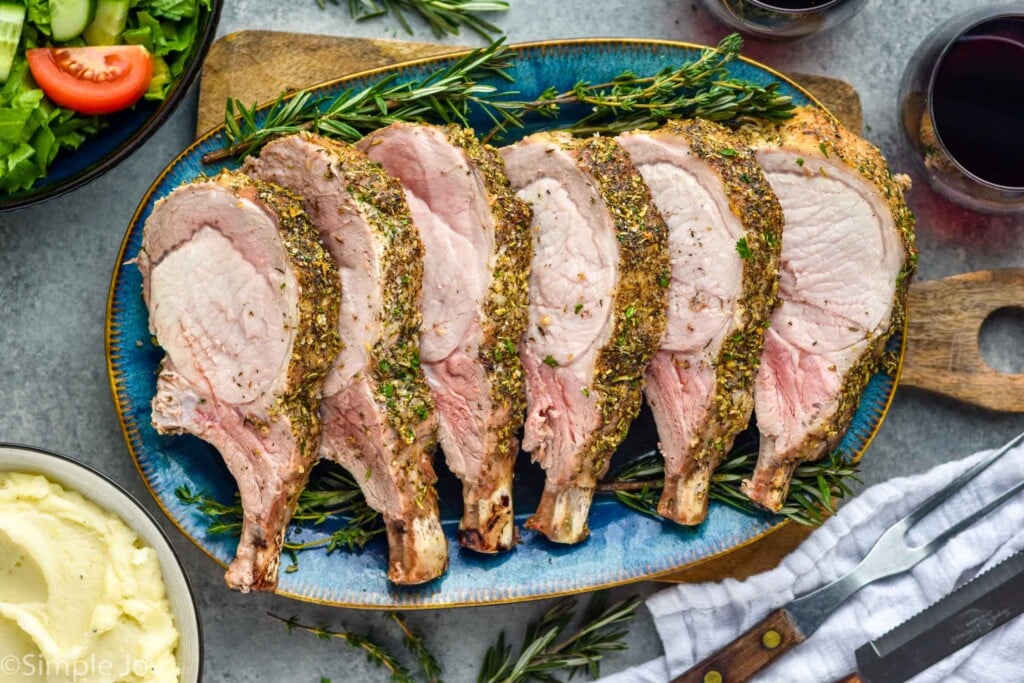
<point x="92" y="80"/>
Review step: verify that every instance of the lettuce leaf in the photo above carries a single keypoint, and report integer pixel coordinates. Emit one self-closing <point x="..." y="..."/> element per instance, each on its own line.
<point x="173" y="9"/>
<point x="39" y="15"/>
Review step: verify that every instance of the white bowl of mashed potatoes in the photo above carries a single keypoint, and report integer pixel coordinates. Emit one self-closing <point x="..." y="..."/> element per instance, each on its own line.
<point x="90" y="589"/>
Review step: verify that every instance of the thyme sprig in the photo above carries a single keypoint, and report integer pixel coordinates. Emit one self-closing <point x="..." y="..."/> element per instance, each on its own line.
<point x="814" y="492"/>
<point x="444" y="95"/>
<point x="375" y="652"/>
<point x="413" y="641"/>
<point x="332" y="493"/>
<point x="546" y="649"/>
<point x="445" y="17"/>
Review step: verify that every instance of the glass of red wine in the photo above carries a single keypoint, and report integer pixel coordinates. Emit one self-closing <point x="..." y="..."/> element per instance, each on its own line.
<point x="782" y="19"/>
<point x="962" y="108"/>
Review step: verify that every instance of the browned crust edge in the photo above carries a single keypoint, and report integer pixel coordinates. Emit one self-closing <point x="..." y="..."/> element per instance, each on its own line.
<point x="753" y="201"/>
<point x="505" y="317"/>
<point x="316" y="337"/>
<point x="638" y="310"/>
<point x="641" y="296"/>
<point x="398" y="381"/>
<point x="810" y="128"/>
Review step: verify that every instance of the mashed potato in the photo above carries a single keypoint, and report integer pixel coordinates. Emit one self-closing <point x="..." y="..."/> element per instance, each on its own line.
<point x="81" y="597"/>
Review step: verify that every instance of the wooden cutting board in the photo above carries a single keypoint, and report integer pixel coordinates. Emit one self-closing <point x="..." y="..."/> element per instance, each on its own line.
<point x="945" y="315"/>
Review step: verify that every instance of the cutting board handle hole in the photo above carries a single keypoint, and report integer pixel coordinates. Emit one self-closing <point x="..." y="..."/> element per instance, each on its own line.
<point x="1001" y="339"/>
<point x="964" y="338"/>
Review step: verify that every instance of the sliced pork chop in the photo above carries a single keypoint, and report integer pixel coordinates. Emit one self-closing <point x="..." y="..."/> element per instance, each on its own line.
<point x="725" y="232"/>
<point x="847" y="258"/>
<point x="244" y="300"/>
<point x="597" y="313"/>
<point x="476" y="269"/>
<point x="379" y="420"/>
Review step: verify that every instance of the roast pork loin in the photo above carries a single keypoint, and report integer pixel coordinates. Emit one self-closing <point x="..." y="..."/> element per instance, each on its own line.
<point x="379" y="420"/>
<point x="725" y="231"/>
<point x="596" y="315"/>
<point x="244" y="300"/>
<point x="475" y="233"/>
<point x="847" y="258"/>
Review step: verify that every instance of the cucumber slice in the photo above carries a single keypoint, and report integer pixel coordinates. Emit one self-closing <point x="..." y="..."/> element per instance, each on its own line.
<point x="69" y="18"/>
<point x="109" y="22"/>
<point x="12" y="19"/>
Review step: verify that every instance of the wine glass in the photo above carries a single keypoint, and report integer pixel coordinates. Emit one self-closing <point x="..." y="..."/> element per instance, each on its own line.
<point x="962" y="108"/>
<point x="781" y="19"/>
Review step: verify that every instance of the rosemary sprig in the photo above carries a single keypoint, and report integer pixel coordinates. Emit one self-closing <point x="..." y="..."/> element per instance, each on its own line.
<point x="413" y="642"/>
<point x="813" y="494"/>
<point x="375" y="652"/>
<point x="701" y="88"/>
<point x="331" y="493"/>
<point x="445" y="17"/>
<point x="444" y="95"/>
<point x="545" y="650"/>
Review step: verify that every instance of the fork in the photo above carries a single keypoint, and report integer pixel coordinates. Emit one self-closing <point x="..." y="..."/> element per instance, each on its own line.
<point x="891" y="554"/>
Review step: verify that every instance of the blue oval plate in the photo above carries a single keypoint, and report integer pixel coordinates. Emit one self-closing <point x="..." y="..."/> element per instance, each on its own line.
<point x="623" y="546"/>
<point x="124" y="132"/>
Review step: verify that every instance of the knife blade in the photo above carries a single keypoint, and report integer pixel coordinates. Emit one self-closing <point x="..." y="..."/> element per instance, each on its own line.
<point x="983" y="604"/>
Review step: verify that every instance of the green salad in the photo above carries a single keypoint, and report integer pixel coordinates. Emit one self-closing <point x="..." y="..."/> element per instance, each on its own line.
<point x="33" y="128"/>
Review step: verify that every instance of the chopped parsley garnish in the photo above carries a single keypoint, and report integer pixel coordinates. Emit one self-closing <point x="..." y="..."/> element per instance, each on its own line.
<point x="743" y="249"/>
<point x="550" y="362"/>
<point x="504" y="349"/>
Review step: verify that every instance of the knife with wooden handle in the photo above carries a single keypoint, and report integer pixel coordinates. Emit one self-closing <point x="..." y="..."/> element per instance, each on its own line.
<point x="775" y="635"/>
<point x="891" y="554"/>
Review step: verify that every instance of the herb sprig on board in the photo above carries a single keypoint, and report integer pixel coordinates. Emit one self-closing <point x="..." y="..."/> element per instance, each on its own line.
<point x="445" y="17"/>
<point x="814" y="493"/>
<point x="698" y="89"/>
<point x="444" y="95"/>
<point x="332" y="494"/>
<point x="701" y="88"/>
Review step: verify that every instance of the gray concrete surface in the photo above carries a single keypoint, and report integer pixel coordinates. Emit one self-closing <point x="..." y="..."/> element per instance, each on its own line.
<point x="56" y="259"/>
